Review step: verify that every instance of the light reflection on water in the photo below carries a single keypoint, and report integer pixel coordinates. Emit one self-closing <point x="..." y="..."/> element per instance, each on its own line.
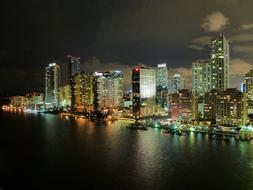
<point x="81" y="152"/>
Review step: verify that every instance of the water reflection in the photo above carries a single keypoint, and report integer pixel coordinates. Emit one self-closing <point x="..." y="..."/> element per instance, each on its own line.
<point x="81" y="152"/>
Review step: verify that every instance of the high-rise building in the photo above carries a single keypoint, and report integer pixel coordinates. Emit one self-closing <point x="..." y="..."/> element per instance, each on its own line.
<point x="220" y="62"/>
<point x="108" y="91"/>
<point x="181" y="105"/>
<point x="162" y="87"/>
<point x="201" y="77"/>
<point x="77" y="99"/>
<point x="224" y="107"/>
<point x="249" y="82"/>
<point x="176" y="83"/>
<point x="73" y="69"/>
<point x="83" y="90"/>
<point x="248" y="90"/>
<point x="65" y="96"/>
<point x="87" y="90"/>
<point x="52" y="84"/>
<point x="144" y="91"/>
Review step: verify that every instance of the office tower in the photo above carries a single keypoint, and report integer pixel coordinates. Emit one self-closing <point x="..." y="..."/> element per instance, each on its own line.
<point x="65" y="96"/>
<point x="220" y="63"/>
<point x="248" y="94"/>
<point x="162" y="87"/>
<point x="83" y="90"/>
<point x="87" y="91"/>
<point x="52" y="84"/>
<point x="144" y="91"/>
<point x="108" y="91"/>
<point x="77" y="99"/>
<point x="181" y="105"/>
<point x="176" y="83"/>
<point x="201" y="77"/>
<point x="73" y="69"/>
<point x="224" y="107"/>
<point x="249" y="82"/>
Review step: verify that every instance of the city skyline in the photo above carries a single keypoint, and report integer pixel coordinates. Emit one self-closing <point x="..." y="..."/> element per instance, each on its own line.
<point x="146" y="32"/>
<point x="133" y="94"/>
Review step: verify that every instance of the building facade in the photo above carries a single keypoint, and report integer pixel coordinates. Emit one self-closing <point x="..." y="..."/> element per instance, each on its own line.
<point x="181" y="105"/>
<point x="201" y="77"/>
<point x="83" y="92"/>
<point x="175" y="84"/>
<point x="35" y="100"/>
<point x="224" y="107"/>
<point x="144" y="91"/>
<point x="162" y="87"/>
<point x="73" y="69"/>
<point x="19" y="102"/>
<point x="108" y="91"/>
<point x="220" y="61"/>
<point x="65" y="96"/>
<point x="52" y="84"/>
<point x="247" y="89"/>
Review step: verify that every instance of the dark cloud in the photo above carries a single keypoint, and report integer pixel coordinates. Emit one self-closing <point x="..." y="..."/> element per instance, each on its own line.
<point x="3" y="53"/>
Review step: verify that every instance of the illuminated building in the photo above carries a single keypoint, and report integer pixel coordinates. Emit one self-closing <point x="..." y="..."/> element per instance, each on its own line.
<point x="249" y="82"/>
<point x="108" y="91"/>
<point x="73" y="69"/>
<point x="243" y="86"/>
<point x="19" y="101"/>
<point x="224" y="108"/>
<point x="175" y="84"/>
<point x="87" y="90"/>
<point x="144" y="91"/>
<point x="52" y="83"/>
<point x="181" y="105"/>
<point x="83" y="91"/>
<point x="248" y="91"/>
<point x="219" y="63"/>
<point x="201" y="77"/>
<point x="35" y="100"/>
<point x="77" y="99"/>
<point x="162" y="87"/>
<point x="127" y="100"/>
<point x="65" y="96"/>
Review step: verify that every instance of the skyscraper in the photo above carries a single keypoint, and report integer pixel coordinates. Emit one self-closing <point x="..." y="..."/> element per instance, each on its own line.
<point x="144" y="91"/>
<point x="52" y="84"/>
<point x="176" y="83"/>
<point x="201" y="77"/>
<point x="73" y="69"/>
<point x="224" y="107"/>
<point x="162" y="87"/>
<point x="83" y="91"/>
<point x="108" y="91"/>
<point x="65" y="96"/>
<point x="87" y="90"/>
<point x="248" y="90"/>
<point x="220" y="63"/>
<point x="249" y="82"/>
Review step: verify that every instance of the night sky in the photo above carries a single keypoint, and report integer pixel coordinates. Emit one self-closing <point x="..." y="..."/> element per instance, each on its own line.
<point x="113" y="34"/>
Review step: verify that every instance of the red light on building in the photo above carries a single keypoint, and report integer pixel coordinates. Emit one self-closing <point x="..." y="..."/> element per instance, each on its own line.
<point x="136" y="69"/>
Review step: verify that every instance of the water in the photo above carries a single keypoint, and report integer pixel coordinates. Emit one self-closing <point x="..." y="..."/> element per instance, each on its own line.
<point x="45" y="151"/>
